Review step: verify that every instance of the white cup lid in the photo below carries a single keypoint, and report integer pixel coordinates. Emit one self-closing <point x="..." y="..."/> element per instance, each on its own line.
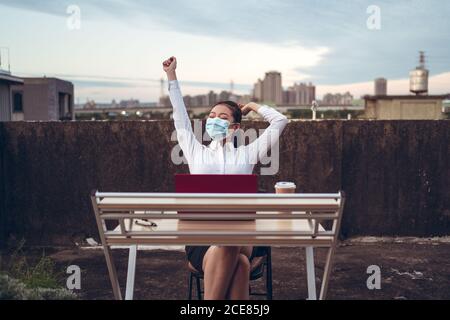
<point x="285" y="184"/>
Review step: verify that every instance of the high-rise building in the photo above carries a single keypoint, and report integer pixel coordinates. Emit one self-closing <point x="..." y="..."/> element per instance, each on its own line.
<point x="300" y="94"/>
<point x="224" y="96"/>
<point x="211" y="98"/>
<point x="380" y="87"/>
<point x="288" y="97"/>
<point x="272" y="88"/>
<point x="258" y="91"/>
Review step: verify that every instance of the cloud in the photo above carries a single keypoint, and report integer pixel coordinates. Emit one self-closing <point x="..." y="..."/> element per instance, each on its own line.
<point x="87" y="81"/>
<point x="43" y="6"/>
<point x="356" y="54"/>
<point x="101" y="84"/>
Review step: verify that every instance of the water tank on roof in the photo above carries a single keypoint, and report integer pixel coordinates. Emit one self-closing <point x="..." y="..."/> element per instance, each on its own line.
<point x="418" y="78"/>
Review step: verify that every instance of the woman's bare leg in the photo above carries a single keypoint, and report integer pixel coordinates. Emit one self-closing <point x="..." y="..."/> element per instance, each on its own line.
<point x="240" y="282"/>
<point x="247" y="250"/>
<point x="219" y="264"/>
<point x="239" y="286"/>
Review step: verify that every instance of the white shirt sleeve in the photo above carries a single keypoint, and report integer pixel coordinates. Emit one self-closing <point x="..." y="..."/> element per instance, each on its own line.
<point x="186" y="138"/>
<point x="259" y="148"/>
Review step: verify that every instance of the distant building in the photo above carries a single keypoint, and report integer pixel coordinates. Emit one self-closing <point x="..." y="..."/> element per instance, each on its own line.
<point x="446" y="105"/>
<point x="148" y="104"/>
<point x="407" y="107"/>
<point x="258" y="91"/>
<point x="272" y="90"/>
<point x="338" y="99"/>
<point x="11" y="101"/>
<point x="43" y="99"/>
<point x="204" y="100"/>
<point x="131" y="103"/>
<point x="164" y="101"/>
<point x="224" y="96"/>
<point x="380" y="87"/>
<point x="211" y="98"/>
<point x="246" y="98"/>
<point x="187" y="101"/>
<point x="300" y="94"/>
<point x="199" y="101"/>
<point x="90" y="105"/>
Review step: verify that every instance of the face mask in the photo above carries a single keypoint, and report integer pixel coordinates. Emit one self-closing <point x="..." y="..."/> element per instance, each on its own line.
<point x="217" y="128"/>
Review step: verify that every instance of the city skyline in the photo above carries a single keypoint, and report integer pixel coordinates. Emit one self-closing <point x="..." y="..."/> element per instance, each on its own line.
<point x="118" y="51"/>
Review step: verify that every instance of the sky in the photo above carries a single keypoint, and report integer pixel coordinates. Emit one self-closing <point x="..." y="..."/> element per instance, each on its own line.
<point x="117" y="51"/>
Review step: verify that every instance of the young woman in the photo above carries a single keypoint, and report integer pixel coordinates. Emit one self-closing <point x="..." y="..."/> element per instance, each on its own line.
<point x="226" y="269"/>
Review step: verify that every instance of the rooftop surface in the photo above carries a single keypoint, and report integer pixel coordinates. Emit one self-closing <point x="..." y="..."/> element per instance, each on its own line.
<point x="6" y="76"/>
<point x="407" y="97"/>
<point x="410" y="269"/>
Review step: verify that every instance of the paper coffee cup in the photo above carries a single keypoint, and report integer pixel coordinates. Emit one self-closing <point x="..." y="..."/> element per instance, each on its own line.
<point x="285" y="187"/>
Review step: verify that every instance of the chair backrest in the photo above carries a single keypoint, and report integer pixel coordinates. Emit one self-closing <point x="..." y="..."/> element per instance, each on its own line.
<point x="321" y="212"/>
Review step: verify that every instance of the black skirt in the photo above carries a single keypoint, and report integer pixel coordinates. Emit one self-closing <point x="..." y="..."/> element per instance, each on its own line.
<point x="195" y="255"/>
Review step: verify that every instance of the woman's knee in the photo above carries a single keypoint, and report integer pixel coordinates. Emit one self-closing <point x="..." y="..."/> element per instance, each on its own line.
<point x="243" y="264"/>
<point x="222" y="255"/>
<point x="227" y="251"/>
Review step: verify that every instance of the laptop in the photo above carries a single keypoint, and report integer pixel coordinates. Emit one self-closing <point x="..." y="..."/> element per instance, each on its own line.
<point x="216" y="183"/>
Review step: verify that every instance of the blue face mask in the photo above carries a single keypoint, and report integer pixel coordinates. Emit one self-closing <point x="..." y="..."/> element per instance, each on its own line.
<point x="217" y="128"/>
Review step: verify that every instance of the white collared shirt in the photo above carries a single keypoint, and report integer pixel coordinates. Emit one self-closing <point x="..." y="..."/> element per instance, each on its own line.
<point x="219" y="157"/>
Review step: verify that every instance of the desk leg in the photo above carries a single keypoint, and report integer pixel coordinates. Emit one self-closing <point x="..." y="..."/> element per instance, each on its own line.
<point x="112" y="272"/>
<point x="326" y="273"/>
<point x="131" y="273"/>
<point x="310" y="273"/>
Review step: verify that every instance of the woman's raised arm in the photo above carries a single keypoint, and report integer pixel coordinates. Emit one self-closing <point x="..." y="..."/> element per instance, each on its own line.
<point x="258" y="149"/>
<point x="186" y="138"/>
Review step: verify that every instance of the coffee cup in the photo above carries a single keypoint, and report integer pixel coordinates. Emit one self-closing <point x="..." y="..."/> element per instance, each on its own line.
<point x="285" y="187"/>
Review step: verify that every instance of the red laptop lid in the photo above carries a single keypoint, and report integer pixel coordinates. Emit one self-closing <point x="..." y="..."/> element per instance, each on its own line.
<point x="216" y="183"/>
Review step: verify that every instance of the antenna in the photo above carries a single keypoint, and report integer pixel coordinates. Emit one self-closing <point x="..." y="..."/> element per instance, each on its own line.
<point x="422" y="60"/>
<point x="418" y="78"/>
<point x="7" y="54"/>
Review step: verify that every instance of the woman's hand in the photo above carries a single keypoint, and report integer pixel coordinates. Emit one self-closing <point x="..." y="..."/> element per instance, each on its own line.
<point x="170" y="65"/>
<point x="246" y="109"/>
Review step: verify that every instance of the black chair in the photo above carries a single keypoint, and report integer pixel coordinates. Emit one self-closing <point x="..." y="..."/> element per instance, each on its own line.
<point x="259" y="266"/>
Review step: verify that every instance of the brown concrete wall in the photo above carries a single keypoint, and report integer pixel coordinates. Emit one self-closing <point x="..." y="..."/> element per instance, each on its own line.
<point x="395" y="173"/>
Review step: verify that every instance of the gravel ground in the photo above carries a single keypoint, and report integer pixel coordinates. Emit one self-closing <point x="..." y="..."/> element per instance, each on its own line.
<point x="410" y="269"/>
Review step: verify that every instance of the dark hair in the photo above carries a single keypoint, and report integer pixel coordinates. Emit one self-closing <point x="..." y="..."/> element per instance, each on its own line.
<point x="234" y="107"/>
